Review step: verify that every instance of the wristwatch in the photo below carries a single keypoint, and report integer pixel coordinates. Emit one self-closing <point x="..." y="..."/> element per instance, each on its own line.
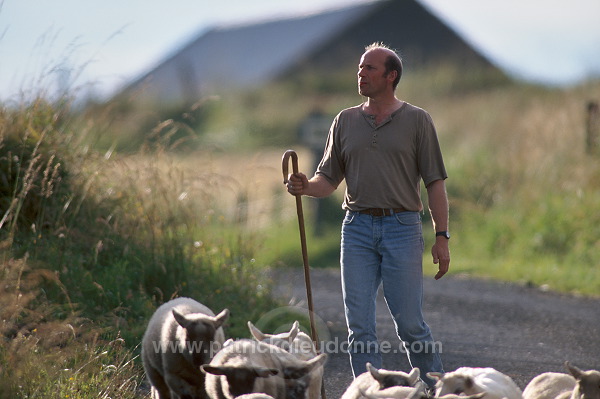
<point x="444" y="234"/>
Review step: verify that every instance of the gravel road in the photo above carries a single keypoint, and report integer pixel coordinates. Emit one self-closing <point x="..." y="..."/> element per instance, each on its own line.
<point x="517" y="330"/>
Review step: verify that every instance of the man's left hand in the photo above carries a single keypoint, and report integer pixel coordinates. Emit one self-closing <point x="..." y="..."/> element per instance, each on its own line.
<point x="441" y="256"/>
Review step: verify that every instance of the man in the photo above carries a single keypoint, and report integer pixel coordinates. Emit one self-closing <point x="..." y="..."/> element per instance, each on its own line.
<point x="383" y="148"/>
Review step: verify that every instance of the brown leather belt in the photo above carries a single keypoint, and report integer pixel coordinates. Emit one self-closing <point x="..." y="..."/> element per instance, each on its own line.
<point x="381" y="211"/>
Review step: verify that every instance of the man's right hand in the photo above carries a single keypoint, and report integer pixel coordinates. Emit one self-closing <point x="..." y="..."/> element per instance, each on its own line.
<point x="297" y="183"/>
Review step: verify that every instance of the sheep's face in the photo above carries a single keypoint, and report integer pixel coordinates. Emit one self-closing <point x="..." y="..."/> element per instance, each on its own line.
<point x="588" y="382"/>
<point x="240" y="379"/>
<point x="588" y="386"/>
<point x="199" y="333"/>
<point x="295" y="388"/>
<point x="454" y="384"/>
<point x="298" y="377"/>
<point x="388" y="378"/>
<point x="297" y="381"/>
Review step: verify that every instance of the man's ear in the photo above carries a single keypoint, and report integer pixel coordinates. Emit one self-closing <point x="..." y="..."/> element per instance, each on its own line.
<point x="392" y="75"/>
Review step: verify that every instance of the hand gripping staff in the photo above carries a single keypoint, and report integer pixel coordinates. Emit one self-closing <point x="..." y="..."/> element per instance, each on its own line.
<point x="313" y="328"/>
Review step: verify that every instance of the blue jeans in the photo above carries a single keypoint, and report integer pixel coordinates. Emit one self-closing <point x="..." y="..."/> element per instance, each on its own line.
<point x="388" y="250"/>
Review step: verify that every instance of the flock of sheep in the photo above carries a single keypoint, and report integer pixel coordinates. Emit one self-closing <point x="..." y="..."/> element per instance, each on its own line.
<point x="185" y="356"/>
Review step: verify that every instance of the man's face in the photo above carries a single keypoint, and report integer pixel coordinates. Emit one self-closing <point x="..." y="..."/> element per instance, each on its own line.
<point x="372" y="79"/>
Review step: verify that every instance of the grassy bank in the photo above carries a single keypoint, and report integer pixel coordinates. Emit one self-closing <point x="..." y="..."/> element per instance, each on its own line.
<point x="92" y="242"/>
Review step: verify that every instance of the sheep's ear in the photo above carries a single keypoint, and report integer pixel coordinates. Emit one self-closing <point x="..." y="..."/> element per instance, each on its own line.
<point x="256" y="333"/>
<point x="216" y="370"/>
<point x="294" y="331"/>
<point x="264" y="372"/>
<point x="374" y="371"/>
<point x="575" y="372"/>
<point x="435" y="375"/>
<point x="181" y="319"/>
<point x="221" y="318"/>
<point x="414" y="375"/>
<point x="317" y="361"/>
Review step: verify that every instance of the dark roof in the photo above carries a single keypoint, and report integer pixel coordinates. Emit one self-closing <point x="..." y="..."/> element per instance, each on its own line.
<point x="237" y="57"/>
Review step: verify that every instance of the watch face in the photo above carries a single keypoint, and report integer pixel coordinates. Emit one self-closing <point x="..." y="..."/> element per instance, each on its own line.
<point x="443" y="234"/>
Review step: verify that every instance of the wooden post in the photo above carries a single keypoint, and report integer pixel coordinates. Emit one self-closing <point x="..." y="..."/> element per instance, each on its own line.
<point x="593" y="128"/>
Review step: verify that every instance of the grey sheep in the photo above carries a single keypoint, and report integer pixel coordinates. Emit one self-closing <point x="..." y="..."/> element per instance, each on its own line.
<point x="182" y="335"/>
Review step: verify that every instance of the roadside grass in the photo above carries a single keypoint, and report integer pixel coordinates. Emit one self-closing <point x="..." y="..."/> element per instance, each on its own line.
<point x="91" y="243"/>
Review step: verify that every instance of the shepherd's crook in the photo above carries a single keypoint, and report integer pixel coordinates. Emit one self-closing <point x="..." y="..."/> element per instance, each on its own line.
<point x="284" y="167"/>
<point x="313" y="327"/>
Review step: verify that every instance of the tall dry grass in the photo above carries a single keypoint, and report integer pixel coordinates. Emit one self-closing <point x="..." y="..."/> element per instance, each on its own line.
<point x="92" y="242"/>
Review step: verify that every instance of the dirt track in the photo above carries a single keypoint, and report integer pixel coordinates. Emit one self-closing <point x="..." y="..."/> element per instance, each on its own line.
<point x="517" y="330"/>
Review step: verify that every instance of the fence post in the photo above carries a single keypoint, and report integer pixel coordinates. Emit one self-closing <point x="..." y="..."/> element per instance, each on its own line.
<point x="593" y="128"/>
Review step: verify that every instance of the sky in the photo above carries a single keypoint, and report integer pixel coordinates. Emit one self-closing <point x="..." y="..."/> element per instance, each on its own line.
<point x="99" y="46"/>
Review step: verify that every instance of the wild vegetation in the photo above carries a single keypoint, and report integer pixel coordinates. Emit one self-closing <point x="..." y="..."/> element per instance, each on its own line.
<point x="91" y="243"/>
<point x="107" y="211"/>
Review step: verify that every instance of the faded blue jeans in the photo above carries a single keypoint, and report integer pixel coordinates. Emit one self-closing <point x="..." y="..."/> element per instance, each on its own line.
<point x="388" y="250"/>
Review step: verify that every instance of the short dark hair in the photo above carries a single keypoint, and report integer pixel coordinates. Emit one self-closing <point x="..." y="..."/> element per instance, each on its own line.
<point x="392" y="63"/>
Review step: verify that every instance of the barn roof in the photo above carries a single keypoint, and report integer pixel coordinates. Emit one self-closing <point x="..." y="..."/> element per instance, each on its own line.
<point x="248" y="55"/>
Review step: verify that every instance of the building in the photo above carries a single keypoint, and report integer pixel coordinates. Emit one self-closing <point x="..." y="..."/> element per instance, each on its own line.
<point x="244" y="56"/>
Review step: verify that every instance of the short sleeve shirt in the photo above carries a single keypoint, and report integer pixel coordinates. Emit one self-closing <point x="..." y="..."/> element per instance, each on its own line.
<point x="383" y="164"/>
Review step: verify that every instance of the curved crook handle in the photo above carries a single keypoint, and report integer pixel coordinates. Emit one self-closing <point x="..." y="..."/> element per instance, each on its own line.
<point x="285" y="164"/>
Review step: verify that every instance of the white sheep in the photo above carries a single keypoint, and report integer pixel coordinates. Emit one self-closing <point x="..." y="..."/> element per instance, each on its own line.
<point x="549" y="386"/>
<point x="182" y="334"/>
<point x="473" y="380"/>
<point x="298" y="344"/>
<point x="397" y="392"/>
<point x="248" y="366"/>
<point x="417" y="392"/>
<point x="294" y="341"/>
<point x="377" y="379"/>
<point x="282" y="340"/>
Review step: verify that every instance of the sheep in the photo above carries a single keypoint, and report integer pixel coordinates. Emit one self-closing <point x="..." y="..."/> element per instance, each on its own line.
<point x="419" y="391"/>
<point x="182" y="334"/>
<point x="294" y="341"/>
<point x="587" y="386"/>
<point x="473" y="380"/>
<point x="376" y="379"/>
<point x="549" y="386"/>
<point x="577" y="384"/>
<point x="248" y="366"/>
<point x="282" y="340"/>
<point x="298" y="344"/>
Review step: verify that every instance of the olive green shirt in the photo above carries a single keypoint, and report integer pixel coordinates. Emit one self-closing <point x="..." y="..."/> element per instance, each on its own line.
<point x="383" y="164"/>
